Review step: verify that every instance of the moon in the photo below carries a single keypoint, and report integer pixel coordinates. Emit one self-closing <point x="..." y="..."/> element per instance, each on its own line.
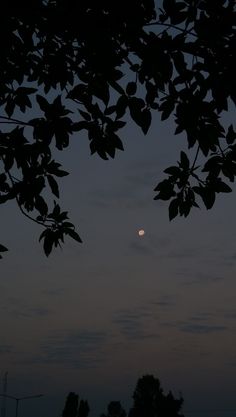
<point x="141" y="232"/>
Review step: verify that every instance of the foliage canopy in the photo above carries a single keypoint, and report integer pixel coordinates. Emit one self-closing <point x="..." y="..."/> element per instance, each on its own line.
<point x="149" y="400"/>
<point x="85" y="65"/>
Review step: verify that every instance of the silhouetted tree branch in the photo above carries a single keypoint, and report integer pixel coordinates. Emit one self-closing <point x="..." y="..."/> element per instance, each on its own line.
<point x="104" y="60"/>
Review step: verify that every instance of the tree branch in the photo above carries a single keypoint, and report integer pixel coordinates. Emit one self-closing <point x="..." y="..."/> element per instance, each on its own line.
<point x="170" y="26"/>
<point x="11" y="120"/>
<point x="20" y="206"/>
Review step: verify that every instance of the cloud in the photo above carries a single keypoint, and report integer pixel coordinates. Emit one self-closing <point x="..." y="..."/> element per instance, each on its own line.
<point x="199" y="277"/>
<point x="6" y="349"/>
<point x="79" y="349"/>
<point x="135" y="324"/>
<point x="200" y="328"/>
<point x="150" y="244"/>
<point x="53" y="291"/>
<point x="164" y="301"/>
<point x="19" y="307"/>
<point x="200" y="317"/>
<point x="132" y="186"/>
<point x="184" y="252"/>
<point x="228" y="313"/>
<point x="141" y="248"/>
<point x="30" y="312"/>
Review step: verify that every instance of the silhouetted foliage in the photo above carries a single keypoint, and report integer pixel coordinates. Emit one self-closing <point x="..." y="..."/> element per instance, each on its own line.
<point x="150" y="401"/>
<point x="114" y="409"/>
<point x="71" y="405"/>
<point x="74" y="407"/>
<point x="84" y="65"/>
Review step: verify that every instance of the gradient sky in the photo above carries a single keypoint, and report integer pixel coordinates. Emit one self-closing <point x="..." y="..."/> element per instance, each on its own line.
<point x="93" y="318"/>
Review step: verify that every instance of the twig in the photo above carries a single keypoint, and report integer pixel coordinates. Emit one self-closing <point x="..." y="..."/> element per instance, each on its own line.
<point x="157" y="23"/>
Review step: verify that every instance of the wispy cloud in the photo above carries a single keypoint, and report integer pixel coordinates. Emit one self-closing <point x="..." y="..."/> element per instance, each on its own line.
<point x="198" y="277"/>
<point x="53" y="291"/>
<point x="184" y="252"/>
<point x="135" y="324"/>
<point x="5" y="349"/>
<point x="164" y="302"/>
<point x="200" y="328"/>
<point x="142" y="248"/>
<point x="19" y="307"/>
<point x="79" y="349"/>
<point x="150" y="244"/>
<point x="30" y="312"/>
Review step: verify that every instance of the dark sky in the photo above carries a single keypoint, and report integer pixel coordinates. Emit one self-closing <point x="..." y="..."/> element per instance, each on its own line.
<point x="94" y="317"/>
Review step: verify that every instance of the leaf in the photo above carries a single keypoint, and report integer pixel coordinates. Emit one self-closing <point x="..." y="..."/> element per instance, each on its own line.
<point x="222" y="187"/>
<point x="121" y="106"/>
<point x="166" y="190"/>
<point x="110" y="110"/>
<point x="231" y="135"/>
<point x="135" y="106"/>
<point x="85" y="115"/>
<point x="68" y="224"/>
<point x="208" y="198"/>
<point x="167" y="108"/>
<point x="74" y="235"/>
<point x="168" y="5"/>
<point x="61" y="173"/>
<point x="179" y="62"/>
<point x="145" y="121"/>
<point x="117" y="142"/>
<point x="116" y="125"/>
<point x="10" y="106"/>
<point x="3" y="248"/>
<point x="207" y="194"/>
<point x="76" y="127"/>
<point x="173" y="208"/>
<point x="213" y="164"/>
<point x="184" y="161"/>
<point x="53" y="185"/>
<point x="173" y="170"/>
<point x="43" y="103"/>
<point x="79" y="92"/>
<point x="41" y="205"/>
<point x="116" y="86"/>
<point x="100" y="89"/>
<point x="131" y="88"/>
<point x="48" y="243"/>
<point x="25" y="90"/>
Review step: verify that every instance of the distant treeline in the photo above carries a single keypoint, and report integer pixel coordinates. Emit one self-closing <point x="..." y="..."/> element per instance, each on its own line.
<point x="149" y="400"/>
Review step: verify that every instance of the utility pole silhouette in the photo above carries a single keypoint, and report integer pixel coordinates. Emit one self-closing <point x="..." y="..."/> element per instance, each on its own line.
<point x="18" y="399"/>
<point x="4" y="399"/>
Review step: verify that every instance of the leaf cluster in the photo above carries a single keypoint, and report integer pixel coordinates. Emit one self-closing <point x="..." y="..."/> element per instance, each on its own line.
<point x="88" y="65"/>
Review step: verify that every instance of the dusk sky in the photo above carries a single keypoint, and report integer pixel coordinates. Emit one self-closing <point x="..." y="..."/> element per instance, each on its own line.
<point x="95" y="317"/>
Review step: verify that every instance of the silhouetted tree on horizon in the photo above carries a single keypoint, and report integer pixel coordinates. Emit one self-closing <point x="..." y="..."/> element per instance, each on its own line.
<point x="74" y="407"/>
<point x="114" y="409"/>
<point x="88" y="65"/>
<point x="150" y="401"/>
